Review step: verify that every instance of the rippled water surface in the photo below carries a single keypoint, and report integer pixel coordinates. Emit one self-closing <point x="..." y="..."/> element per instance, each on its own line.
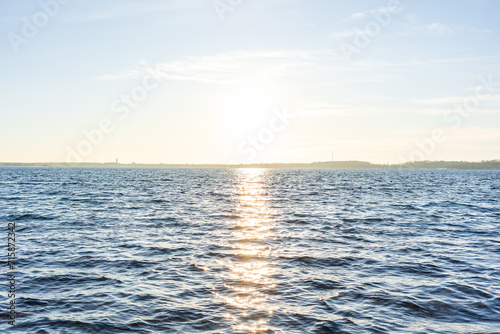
<point x="253" y="251"/>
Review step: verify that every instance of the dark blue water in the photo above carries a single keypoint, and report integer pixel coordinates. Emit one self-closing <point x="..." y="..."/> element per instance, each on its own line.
<point x="250" y="251"/>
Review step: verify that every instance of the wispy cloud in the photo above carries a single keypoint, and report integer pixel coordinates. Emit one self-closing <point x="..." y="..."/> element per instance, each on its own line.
<point x="231" y="67"/>
<point x="453" y="100"/>
<point x="364" y="14"/>
<point x="325" y="109"/>
<point x="128" y="9"/>
<point x="357" y="16"/>
<point x="343" y="34"/>
<point x="441" y="28"/>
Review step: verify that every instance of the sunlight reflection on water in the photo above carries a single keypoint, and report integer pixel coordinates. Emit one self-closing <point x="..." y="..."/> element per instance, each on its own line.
<point x="250" y="279"/>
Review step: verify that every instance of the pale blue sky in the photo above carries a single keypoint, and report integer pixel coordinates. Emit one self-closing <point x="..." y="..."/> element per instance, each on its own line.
<point x="220" y="82"/>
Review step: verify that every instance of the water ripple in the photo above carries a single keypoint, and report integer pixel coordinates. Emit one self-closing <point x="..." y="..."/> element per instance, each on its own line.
<point x="254" y="251"/>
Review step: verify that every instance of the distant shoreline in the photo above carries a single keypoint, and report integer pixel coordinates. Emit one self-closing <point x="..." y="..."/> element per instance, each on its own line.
<point x="489" y="165"/>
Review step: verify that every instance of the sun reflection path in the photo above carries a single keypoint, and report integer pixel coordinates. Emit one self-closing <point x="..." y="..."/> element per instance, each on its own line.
<point x="250" y="269"/>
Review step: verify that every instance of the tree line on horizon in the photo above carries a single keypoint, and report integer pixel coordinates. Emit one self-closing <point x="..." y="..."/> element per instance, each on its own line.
<point x="485" y="164"/>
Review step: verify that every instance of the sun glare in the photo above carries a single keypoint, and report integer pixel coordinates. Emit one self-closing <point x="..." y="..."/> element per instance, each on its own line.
<point x="246" y="110"/>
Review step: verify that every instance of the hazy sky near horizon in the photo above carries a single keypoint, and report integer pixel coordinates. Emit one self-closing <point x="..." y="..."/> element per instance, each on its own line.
<point x="204" y="81"/>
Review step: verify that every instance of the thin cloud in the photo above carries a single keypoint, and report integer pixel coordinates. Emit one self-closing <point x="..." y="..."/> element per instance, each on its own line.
<point x="357" y="16"/>
<point x="343" y="34"/>
<point x="361" y="15"/>
<point x="325" y="109"/>
<point x="441" y="28"/>
<point x="454" y="100"/>
<point x="231" y="67"/>
<point x="127" y="9"/>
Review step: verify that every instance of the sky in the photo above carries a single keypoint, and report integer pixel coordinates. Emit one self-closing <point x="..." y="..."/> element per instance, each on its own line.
<point x="249" y="81"/>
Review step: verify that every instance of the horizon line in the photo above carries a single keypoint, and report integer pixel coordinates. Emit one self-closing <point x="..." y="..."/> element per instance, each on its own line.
<point x="497" y="160"/>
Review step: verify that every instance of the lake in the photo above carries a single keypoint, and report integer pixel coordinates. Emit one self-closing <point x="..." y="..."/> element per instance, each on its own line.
<point x="252" y="250"/>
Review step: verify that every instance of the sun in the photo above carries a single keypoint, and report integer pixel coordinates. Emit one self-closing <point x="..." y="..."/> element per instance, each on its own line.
<point x="247" y="109"/>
